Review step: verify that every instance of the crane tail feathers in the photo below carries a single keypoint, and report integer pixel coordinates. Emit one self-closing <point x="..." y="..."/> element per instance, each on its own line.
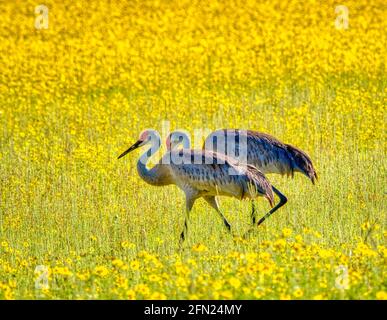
<point x="271" y="201"/>
<point x="260" y="184"/>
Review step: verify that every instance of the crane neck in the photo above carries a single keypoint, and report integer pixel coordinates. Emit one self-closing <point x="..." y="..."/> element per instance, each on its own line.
<point x="150" y="176"/>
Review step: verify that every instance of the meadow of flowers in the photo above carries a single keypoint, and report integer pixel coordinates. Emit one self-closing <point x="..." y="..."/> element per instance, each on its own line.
<point x="76" y="223"/>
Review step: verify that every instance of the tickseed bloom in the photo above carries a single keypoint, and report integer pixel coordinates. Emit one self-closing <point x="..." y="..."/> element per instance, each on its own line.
<point x="298" y="293"/>
<point x="381" y="295"/>
<point x="142" y="289"/>
<point x="83" y="276"/>
<point x="62" y="271"/>
<point x="154" y="278"/>
<point x="157" y="296"/>
<point x="280" y="244"/>
<point x="366" y="225"/>
<point x="285" y="296"/>
<point x="258" y="294"/>
<point x="286" y="232"/>
<point x="227" y="294"/>
<point x="234" y="282"/>
<point x="199" y="247"/>
<point x="118" y="263"/>
<point x="130" y="294"/>
<point x="101" y="271"/>
<point x="121" y="281"/>
<point x="217" y="284"/>
<point x="134" y="265"/>
<point x="126" y="244"/>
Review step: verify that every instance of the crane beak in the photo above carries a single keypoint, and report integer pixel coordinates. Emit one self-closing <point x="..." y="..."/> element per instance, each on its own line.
<point x="133" y="147"/>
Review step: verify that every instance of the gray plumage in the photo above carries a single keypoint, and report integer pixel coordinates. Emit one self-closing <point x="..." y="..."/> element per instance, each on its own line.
<point x="264" y="151"/>
<point x="215" y="175"/>
<point x="200" y="174"/>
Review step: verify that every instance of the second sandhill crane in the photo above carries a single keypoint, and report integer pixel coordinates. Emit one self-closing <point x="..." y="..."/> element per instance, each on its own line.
<point x="200" y="174"/>
<point x="265" y="152"/>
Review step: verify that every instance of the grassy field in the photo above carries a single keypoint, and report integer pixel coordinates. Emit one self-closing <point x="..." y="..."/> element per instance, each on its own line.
<point x="76" y="223"/>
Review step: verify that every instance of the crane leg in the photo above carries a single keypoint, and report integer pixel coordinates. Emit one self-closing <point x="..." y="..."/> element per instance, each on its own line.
<point x="283" y="200"/>
<point x="212" y="201"/>
<point x="189" y="202"/>
<point x="253" y="212"/>
<point x="253" y="219"/>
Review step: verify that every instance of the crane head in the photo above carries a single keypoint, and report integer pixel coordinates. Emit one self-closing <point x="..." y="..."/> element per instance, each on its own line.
<point x="145" y="138"/>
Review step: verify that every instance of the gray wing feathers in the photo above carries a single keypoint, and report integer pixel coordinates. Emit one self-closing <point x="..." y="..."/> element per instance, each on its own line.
<point x="222" y="174"/>
<point x="266" y="152"/>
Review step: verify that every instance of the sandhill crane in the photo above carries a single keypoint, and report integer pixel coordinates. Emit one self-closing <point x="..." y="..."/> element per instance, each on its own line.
<point x="200" y="174"/>
<point x="263" y="151"/>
